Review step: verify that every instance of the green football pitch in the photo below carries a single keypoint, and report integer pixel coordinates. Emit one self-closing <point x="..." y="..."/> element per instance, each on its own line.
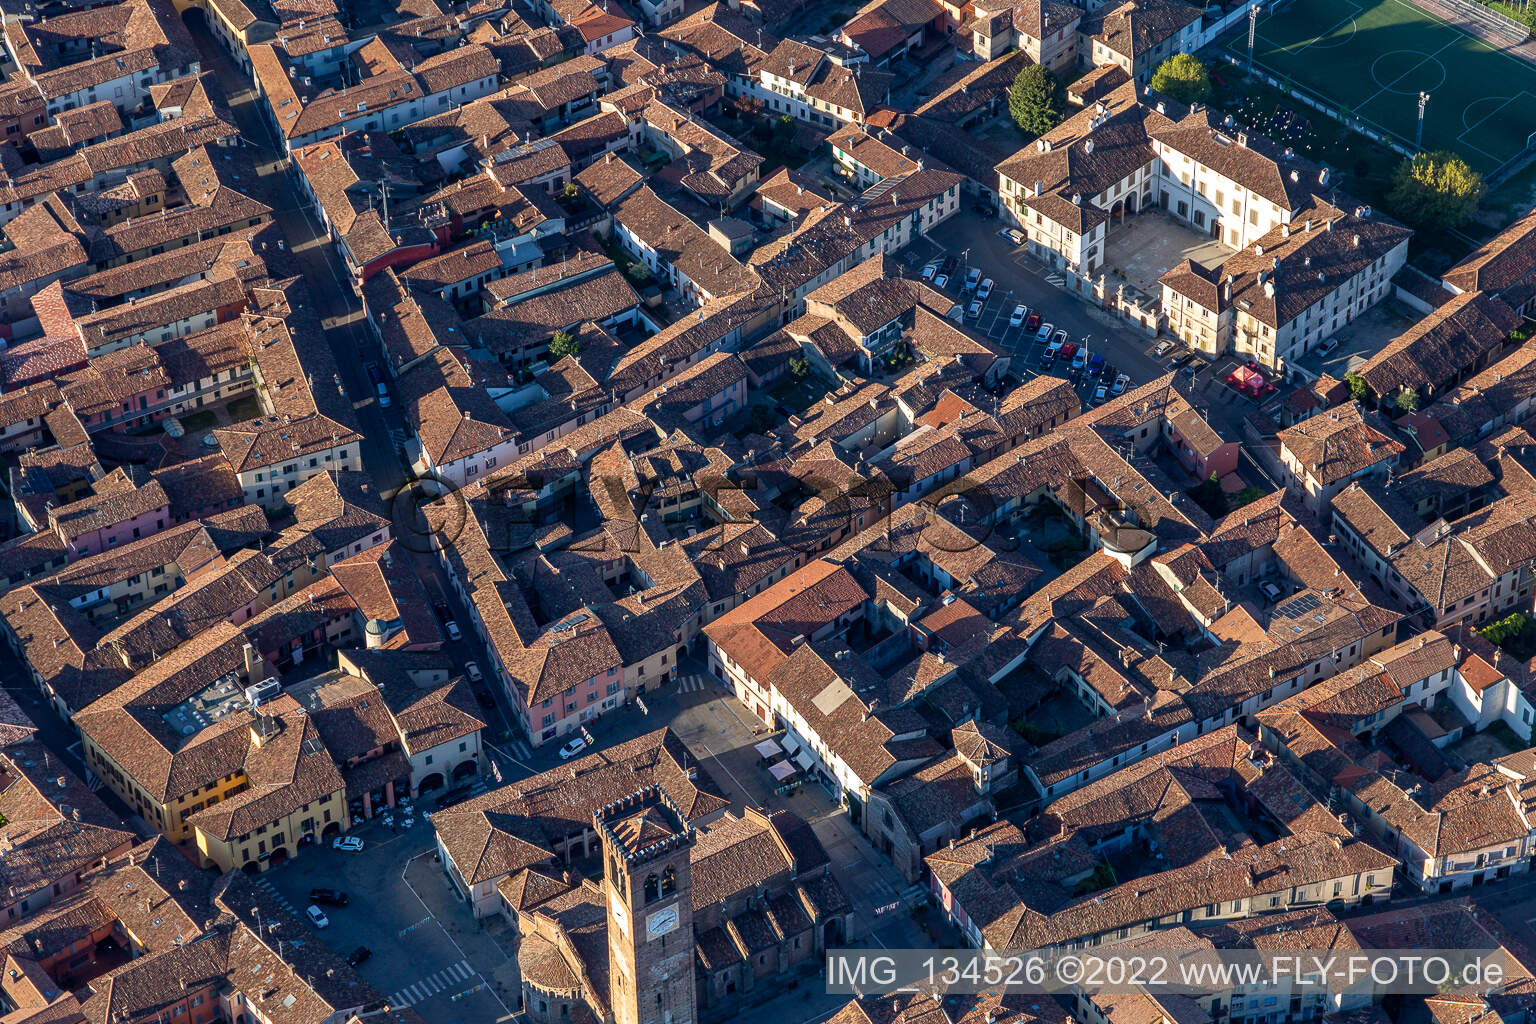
<point x="1372" y="58"/>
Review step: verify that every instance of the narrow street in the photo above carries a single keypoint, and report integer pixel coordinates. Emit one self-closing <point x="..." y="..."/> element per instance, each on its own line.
<point x="310" y="253"/>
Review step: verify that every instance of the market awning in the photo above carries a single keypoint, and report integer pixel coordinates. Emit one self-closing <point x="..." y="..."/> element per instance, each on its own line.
<point x="768" y="748"/>
<point x="804" y="759"/>
<point x="781" y="771"/>
<point x="1248" y="378"/>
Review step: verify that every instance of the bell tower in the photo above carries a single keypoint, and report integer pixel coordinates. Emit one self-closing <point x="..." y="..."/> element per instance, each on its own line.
<point x="646" y="844"/>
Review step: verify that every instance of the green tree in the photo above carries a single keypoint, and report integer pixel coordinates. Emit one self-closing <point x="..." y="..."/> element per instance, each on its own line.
<point x="1184" y="78"/>
<point x="1505" y="629"/>
<point x="1247" y="496"/>
<point x="563" y="344"/>
<point x="1358" y="388"/>
<point x="1035" y="101"/>
<point x="1406" y="400"/>
<point x="1435" y="191"/>
<point x="799" y="366"/>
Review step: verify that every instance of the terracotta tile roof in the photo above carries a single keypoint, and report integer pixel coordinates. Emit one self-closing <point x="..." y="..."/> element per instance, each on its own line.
<point x="1338" y="444"/>
<point x="515" y="827"/>
<point x="762" y="632"/>
<point x="1503" y="264"/>
<point x="1138" y="27"/>
<point x="1454" y="338"/>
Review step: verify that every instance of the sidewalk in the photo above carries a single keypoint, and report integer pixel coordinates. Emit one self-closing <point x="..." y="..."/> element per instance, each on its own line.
<point x="485" y="943"/>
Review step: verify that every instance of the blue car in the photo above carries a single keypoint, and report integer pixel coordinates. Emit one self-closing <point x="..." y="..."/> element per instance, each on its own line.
<point x="1095" y="366"/>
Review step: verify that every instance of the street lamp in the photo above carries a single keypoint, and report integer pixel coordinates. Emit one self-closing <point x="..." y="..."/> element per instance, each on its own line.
<point x="1423" y="102"/>
<point x="1253" y="30"/>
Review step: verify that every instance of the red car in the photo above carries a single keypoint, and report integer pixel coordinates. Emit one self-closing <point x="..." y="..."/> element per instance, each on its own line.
<point x="1067" y="351"/>
<point x="1032" y="324"/>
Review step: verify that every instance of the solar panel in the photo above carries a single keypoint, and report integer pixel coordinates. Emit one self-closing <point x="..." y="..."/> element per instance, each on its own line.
<point x="1298" y="606"/>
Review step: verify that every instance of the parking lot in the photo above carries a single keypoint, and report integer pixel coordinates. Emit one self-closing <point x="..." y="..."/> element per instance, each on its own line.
<point x="971" y="240"/>
<point x="427" y="951"/>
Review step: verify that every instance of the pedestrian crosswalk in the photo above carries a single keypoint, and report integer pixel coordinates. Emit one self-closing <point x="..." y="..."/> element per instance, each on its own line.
<point x="693" y="682"/>
<point x="448" y="980"/>
<point x="1055" y="280"/>
<point x="92" y="781"/>
<point x="276" y="897"/>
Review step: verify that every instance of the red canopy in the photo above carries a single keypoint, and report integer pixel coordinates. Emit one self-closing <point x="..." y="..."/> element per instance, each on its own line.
<point x="1248" y="378"/>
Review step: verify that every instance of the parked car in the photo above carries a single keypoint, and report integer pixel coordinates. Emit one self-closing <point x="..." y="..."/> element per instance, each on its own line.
<point x="472" y="670"/>
<point x="973" y="310"/>
<point x="1067" y="351"/>
<point x="984" y="289"/>
<point x="1047" y="359"/>
<point x="1327" y="347"/>
<point x="483" y="698"/>
<point x="1096" y="365"/>
<point x="1074" y="375"/>
<point x="1181" y="359"/>
<point x="942" y="281"/>
<point x="1100" y="395"/>
<point x="1121" y="383"/>
<point x="1045" y="331"/>
<point x="359" y="956"/>
<point x="454" y="632"/>
<point x="1163" y="348"/>
<point x="1016" y="236"/>
<point x="329" y="897"/>
<point x="1060" y="337"/>
<point x="351" y="844"/>
<point x="985" y="209"/>
<point x="1019" y="313"/>
<point x="1032" y="323"/>
<point x="377" y="376"/>
<point x="929" y="270"/>
<point x="317" y="916"/>
<point x="571" y="749"/>
<point x="972" y="279"/>
<point x="1052" y="351"/>
<point x="1080" y="360"/>
<point x="441" y="611"/>
<point x="1270" y="590"/>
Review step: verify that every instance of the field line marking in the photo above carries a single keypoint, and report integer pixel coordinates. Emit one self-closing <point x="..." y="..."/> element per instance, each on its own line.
<point x="1525" y="65"/>
<point x="1359" y="10"/>
<point x="1477" y="149"/>
<point x="1405" y="74"/>
<point x="1462" y="138"/>
<point x="1468" y="127"/>
<point x="1337" y="104"/>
